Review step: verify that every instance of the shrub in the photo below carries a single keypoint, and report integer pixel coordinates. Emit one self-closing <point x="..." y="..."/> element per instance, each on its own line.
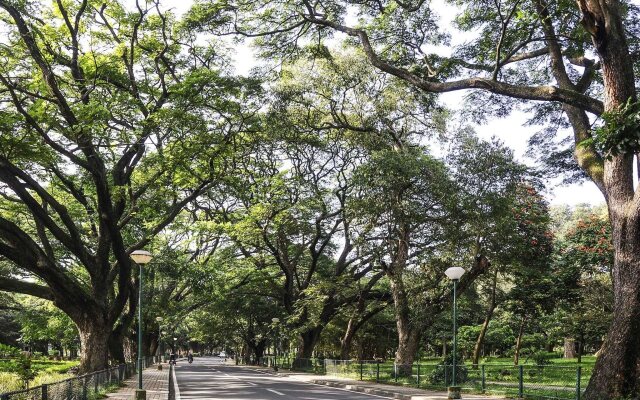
<point x="24" y="371"/>
<point x="7" y="351"/>
<point x="540" y="358"/>
<point x="442" y="373"/>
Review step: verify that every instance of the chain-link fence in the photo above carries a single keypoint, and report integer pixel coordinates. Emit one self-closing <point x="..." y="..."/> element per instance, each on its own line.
<point x="84" y="387"/>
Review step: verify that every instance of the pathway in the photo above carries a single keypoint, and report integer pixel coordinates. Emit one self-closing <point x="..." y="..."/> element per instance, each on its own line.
<point x="155" y="382"/>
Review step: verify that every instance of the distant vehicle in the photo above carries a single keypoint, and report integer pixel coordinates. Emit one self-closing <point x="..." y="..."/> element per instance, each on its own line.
<point x="222" y="354"/>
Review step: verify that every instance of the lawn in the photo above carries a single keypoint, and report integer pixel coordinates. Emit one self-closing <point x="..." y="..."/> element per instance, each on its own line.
<point x="555" y="380"/>
<point x="48" y="371"/>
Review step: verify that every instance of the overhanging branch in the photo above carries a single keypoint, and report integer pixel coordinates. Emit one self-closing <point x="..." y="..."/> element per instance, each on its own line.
<point x="24" y="287"/>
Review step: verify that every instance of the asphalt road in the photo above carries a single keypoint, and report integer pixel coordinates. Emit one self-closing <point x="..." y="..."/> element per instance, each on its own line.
<point x="210" y="378"/>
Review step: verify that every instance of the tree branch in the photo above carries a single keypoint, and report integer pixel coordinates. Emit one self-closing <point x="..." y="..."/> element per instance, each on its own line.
<point x="24" y="287"/>
<point x="539" y="93"/>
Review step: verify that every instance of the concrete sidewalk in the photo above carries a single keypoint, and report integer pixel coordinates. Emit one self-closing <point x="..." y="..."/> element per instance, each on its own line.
<point x="155" y="382"/>
<point x="380" y="389"/>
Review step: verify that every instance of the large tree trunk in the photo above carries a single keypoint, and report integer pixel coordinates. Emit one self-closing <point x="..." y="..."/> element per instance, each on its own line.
<point x="94" y="348"/>
<point x="347" y="340"/>
<point x="357" y="320"/>
<point x="258" y="348"/>
<point x="408" y="337"/>
<point x="569" y="348"/>
<point x="352" y="326"/>
<point x="153" y="345"/>
<point x="516" y="354"/>
<point x="616" y="372"/>
<point x="408" y="340"/>
<point x="308" y="341"/>
<point x="485" y="324"/>
<point x="116" y="347"/>
<point x="116" y="339"/>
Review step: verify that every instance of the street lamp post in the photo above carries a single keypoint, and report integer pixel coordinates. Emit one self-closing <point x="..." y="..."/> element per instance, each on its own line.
<point x="454" y="273"/>
<point x="140" y="257"/>
<point x="275" y="342"/>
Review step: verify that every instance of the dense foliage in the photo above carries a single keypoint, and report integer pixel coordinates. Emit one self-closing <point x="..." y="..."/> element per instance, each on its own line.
<point x="312" y="208"/>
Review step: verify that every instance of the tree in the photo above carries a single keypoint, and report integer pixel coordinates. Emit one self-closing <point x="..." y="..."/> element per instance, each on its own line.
<point x="290" y="222"/>
<point x="41" y="322"/>
<point x="103" y="113"/>
<point x="584" y="255"/>
<point x="404" y="201"/>
<point x="298" y="218"/>
<point x="554" y="39"/>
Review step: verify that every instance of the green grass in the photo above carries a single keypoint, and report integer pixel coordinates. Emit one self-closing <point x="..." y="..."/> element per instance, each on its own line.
<point x="48" y="371"/>
<point x="556" y="380"/>
<point x="9" y="382"/>
<point x="41" y="365"/>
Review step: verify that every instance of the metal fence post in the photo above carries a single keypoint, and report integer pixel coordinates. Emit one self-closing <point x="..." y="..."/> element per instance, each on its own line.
<point x="578" y="376"/>
<point x="377" y="371"/>
<point x="361" y="368"/>
<point x="520" y="381"/>
<point x="484" y="382"/>
<point x="45" y="392"/>
<point x="395" y="371"/>
<point x="446" y="375"/>
<point x="69" y="389"/>
<point x="95" y="383"/>
<point x="418" y="380"/>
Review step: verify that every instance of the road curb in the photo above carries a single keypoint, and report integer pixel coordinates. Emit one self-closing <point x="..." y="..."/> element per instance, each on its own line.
<point x="364" y="389"/>
<point x="268" y="372"/>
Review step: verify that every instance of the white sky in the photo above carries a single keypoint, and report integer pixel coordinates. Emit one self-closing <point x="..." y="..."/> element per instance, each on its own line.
<point x="510" y="130"/>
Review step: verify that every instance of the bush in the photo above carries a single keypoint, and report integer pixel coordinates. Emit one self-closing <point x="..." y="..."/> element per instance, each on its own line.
<point x="540" y="358"/>
<point x="441" y="375"/>
<point x="24" y="371"/>
<point x="7" y="351"/>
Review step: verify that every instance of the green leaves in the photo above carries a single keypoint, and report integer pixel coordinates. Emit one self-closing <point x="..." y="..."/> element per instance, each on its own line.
<point x="620" y="133"/>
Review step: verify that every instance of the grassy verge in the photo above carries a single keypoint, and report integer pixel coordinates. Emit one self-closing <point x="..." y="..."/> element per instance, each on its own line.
<point x="555" y="380"/>
<point x="47" y="372"/>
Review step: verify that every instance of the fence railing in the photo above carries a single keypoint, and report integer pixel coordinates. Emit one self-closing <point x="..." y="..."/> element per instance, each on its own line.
<point x="314" y="365"/>
<point x="83" y="387"/>
<point x="522" y="381"/>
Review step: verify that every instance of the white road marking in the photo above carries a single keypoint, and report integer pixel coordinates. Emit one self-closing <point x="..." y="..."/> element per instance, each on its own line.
<point x="233" y="377"/>
<point x="175" y="384"/>
<point x="261" y="372"/>
<point x="317" y="384"/>
<point x="348" y="390"/>
<point x="276" y="392"/>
